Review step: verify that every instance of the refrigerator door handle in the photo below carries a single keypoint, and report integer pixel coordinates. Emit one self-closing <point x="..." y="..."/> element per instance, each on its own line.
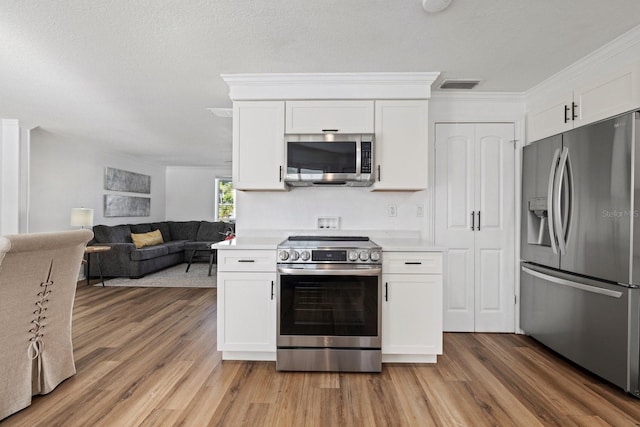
<point x="572" y="284"/>
<point x="550" y="204"/>
<point x="569" y="214"/>
<point x="557" y="212"/>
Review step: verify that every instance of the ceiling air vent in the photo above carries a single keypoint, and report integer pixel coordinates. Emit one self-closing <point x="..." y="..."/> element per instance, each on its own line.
<point x="459" y="84"/>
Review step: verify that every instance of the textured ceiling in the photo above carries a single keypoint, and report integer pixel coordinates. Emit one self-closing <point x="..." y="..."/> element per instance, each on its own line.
<point x="138" y="75"/>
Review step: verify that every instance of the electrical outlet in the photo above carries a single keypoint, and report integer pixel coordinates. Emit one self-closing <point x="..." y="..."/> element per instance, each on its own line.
<point x="420" y="210"/>
<point x="392" y="210"/>
<point x="329" y="222"/>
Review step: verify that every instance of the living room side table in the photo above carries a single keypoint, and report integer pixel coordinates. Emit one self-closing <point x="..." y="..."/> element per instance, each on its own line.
<point x="95" y="250"/>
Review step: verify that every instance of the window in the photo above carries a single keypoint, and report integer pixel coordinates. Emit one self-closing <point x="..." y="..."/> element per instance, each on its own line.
<point x="225" y="200"/>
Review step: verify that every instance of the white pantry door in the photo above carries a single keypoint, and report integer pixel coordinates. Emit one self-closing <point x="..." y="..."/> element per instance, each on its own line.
<point x="475" y="219"/>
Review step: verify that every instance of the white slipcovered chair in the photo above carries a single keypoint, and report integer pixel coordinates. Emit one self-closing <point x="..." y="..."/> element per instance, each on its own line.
<point x="38" y="277"/>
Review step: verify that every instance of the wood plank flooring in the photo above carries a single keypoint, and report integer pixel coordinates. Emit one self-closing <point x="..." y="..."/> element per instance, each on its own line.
<point x="147" y="356"/>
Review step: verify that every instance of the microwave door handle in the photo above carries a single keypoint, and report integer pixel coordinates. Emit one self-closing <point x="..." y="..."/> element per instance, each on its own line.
<point x="550" y="204"/>
<point x="558" y="226"/>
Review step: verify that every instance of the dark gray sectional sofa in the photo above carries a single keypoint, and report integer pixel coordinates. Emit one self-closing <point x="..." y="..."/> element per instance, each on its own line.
<point x="125" y="260"/>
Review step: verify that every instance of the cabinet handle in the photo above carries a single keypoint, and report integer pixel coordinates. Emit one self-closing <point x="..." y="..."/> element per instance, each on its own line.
<point x="573" y="111"/>
<point x="566" y="113"/>
<point x="378" y="172"/>
<point x="478" y="220"/>
<point x="473" y="220"/>
<point x="246" y="260"/>
<point x="272" y="290"/>
<point x="280" y="174"/>
<point x="330" y="130"/>
<point x="413" y="263"/>
<point x="386" y="291"/>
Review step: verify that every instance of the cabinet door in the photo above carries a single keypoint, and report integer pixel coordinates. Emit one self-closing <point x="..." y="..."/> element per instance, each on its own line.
<point x="494" y="263"/>
<point x="455" y="204"/>
<point x="402" y="138"/>
<point x="549" y="118"/>
<point x="609" y="96"/>
<point x="329" y="116"/>
<point x="412" y="314"/>
<point x="258" y="145"/>
<point x="251" y="323"/>
<point x="475" y="214"/>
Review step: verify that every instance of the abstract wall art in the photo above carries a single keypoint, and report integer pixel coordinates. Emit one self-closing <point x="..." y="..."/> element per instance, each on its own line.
<point x="130" y="182"/>
<point x="116" y="205"/>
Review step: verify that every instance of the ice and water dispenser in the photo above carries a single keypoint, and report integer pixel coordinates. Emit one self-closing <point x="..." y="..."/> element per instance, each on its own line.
<point x="537" y="222"/>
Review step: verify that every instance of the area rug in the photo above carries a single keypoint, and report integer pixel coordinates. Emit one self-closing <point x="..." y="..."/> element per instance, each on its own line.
<point x="172" y="277"/>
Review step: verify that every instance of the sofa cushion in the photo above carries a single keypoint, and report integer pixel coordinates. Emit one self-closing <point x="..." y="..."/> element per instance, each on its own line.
<point x="183" y="230"/>
<point x="140" y="228"/>
<point x="112" y="233"/>
<point x="211" y="231"/>
<point x="175" y="246"/>
<point x="164" y="229"/>
<point x="149" y="252"/>
<point x="147" y="239"/>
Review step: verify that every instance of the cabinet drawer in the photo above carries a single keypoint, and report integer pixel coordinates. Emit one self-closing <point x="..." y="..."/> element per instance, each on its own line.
<point x="412" y="263"/>
<point x="240" y="260"/>
<point x="321" y="116"/>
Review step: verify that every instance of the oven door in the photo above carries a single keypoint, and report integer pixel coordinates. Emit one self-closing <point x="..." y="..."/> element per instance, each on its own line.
<point x="329" y="306"/>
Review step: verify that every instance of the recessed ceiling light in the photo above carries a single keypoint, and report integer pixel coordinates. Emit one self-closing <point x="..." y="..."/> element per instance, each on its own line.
<point x="221" y="112"/>
<point x="433" y="6"/>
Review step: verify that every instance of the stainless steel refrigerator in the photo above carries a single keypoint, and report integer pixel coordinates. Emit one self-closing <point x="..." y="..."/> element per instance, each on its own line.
<point x="580" y="244"/>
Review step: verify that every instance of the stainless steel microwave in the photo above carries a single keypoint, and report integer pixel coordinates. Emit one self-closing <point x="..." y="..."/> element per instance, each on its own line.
<point x="329" y="159"/>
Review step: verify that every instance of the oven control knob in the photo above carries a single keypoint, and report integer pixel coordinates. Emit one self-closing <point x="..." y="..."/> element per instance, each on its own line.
<point x="375" y="256"/>
<point x="305" y="255"/>
<point x="353" y="256"/>
<point x="294" y="255"/>
<point x="283" y="255"/>
<point x="364" y="255"/>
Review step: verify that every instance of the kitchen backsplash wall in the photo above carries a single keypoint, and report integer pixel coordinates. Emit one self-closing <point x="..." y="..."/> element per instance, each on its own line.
<point x="357" y="209"/>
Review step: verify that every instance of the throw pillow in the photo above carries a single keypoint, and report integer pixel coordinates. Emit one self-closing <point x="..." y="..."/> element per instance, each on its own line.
<point x="147" y="239"/>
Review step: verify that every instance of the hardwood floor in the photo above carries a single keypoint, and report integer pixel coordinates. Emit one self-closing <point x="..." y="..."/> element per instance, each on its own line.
<point x="147" y="356"/>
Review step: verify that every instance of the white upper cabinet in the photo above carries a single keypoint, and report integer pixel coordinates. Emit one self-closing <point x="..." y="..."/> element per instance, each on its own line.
<point x="318" y="117"/>
<point x="258" y="145"/>
<point x="401" y="145"/>
<point x="595" y="100"/>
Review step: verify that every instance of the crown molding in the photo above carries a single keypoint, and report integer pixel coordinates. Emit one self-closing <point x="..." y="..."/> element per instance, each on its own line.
<point x="330" y="86"/>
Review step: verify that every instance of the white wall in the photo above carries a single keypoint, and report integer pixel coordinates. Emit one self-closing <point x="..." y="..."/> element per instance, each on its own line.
<point x="191" y="192"/>
<point x="9" y="176"/>
<point x="358" y="209"/>
<point x="65" y="174"/>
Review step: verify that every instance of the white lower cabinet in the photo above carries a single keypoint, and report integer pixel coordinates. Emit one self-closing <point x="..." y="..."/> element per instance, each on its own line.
<point x="411" y="306"/>
<point x="247" y="308"/>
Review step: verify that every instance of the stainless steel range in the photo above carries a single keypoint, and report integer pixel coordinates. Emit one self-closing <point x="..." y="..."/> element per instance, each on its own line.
<point x="329" y="304"/>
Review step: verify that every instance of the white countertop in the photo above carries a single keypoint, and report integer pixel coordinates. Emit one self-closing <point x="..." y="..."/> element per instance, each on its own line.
<point x="408" y="245"/>
<point x="387" y="243"/>
<point x="249" y="243"/>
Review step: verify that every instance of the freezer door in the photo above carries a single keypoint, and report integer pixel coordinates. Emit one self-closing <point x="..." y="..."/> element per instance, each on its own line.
<point x="584" y="320"/>
<point x="598" y="242"/>
<point x="539" y="164"/>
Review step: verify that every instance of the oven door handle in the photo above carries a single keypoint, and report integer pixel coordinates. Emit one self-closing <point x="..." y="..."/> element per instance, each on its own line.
<point x="369" y="271"/>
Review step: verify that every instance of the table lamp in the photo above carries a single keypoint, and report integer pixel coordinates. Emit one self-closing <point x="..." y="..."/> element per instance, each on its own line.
<point x="81" y="217"/>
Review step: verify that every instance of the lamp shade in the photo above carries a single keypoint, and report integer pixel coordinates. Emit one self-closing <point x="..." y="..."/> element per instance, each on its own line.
<point x="81" y="217"/>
